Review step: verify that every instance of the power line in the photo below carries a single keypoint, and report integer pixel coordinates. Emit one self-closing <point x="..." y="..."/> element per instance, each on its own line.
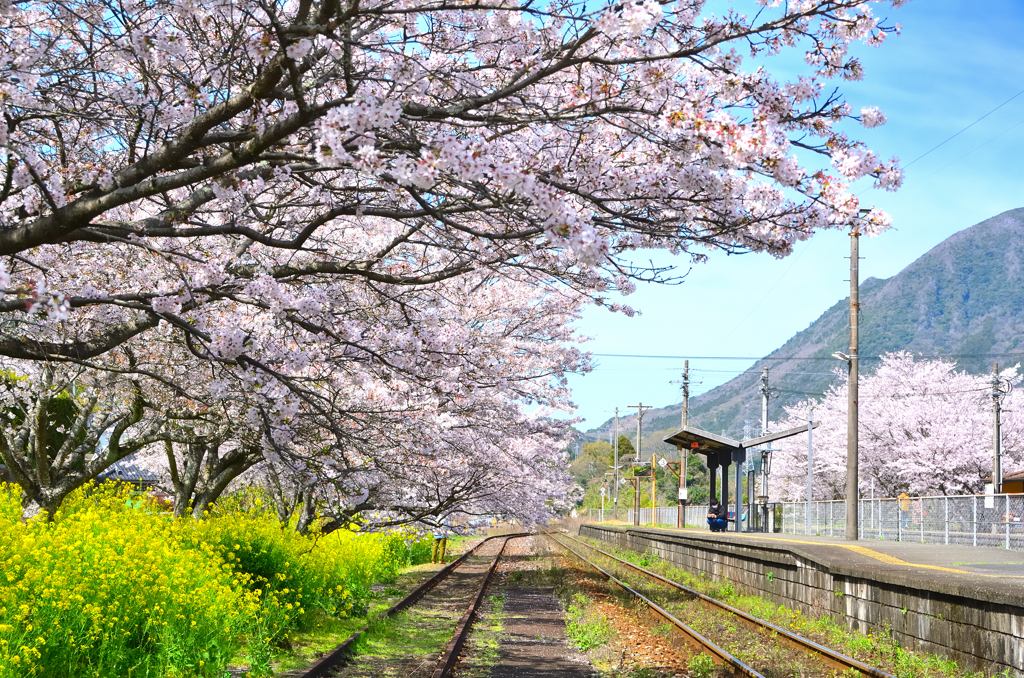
<point x="696" y="357"/>
<point x="954" y="136"/>
<point x="772" y="288"/>
<point x="794" y="358"/>
<point x="976" y="148"/>
<point x="893" y="395"/>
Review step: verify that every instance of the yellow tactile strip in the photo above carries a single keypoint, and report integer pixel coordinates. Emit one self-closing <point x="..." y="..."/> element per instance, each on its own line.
<point x="881" y="557"/>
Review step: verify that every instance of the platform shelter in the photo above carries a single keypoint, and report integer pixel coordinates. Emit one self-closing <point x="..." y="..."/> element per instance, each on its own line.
<point x="720" y="451"/>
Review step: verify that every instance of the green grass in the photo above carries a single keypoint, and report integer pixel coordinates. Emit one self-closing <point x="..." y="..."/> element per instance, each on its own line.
<point x="303" y="648"/>
<point x="585" y="626"/>
<point x="701" y="666"/>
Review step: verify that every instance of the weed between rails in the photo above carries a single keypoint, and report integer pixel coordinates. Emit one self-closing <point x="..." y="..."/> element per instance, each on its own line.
<point x="114" y="587"/>
<point x="482" y="648"/>
<point x="585" y="626"/>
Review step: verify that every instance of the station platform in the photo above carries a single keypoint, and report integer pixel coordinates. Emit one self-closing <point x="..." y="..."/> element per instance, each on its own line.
<point x="931" y="562"/>
<point x="963" y="602"/>
<point x="950" y="562"/>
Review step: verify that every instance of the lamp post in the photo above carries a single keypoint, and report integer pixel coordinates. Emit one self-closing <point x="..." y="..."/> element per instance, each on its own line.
<point x="615" y="464"/>
<point x="613" y="490"/>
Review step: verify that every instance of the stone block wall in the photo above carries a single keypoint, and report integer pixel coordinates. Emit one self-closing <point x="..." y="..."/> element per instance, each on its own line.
<point x="979" y="626"/>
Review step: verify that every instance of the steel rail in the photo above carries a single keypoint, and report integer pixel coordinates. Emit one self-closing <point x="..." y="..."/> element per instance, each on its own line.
<point x="450" y="656"/>
<point x="696" y="638"/>
<point x="337" y="656"/>
<point x="835" y="659"/>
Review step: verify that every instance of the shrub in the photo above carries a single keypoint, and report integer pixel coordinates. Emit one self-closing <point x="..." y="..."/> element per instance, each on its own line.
<point x="115" y="587"/>
<point x="106" y="590"/>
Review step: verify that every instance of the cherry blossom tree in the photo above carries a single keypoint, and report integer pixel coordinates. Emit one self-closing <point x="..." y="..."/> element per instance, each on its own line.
<point x="237" y="152"/>
<point x="925" y="428"/>
<point x="64" y="427"/>
<point x="360" y="231"/>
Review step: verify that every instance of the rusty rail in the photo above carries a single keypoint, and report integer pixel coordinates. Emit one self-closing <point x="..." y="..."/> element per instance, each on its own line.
<point x="446" y="663"/>
<point x="340" y="654"/>
<point x="834" y="659"/>
<point x="720" y="655"/>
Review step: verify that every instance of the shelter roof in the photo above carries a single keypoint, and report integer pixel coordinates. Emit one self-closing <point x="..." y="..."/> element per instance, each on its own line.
<point x="710" y="443"/>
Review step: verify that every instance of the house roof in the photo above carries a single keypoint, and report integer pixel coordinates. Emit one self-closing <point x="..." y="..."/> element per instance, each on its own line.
<point x="1016" y="475"/>
<point x="130" y="470"/>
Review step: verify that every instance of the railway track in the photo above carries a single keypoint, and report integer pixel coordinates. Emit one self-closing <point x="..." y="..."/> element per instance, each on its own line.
<point x="826" y="656"/>
<point x="336" y="659"/>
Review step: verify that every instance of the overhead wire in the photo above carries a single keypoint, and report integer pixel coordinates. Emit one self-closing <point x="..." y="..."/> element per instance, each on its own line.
<point x="937" y="356"/>
<point x="954" y="136"/>
<point x="978" y="147"/>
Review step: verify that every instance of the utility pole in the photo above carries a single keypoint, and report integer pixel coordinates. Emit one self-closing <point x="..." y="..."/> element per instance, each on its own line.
<point x="685" y="387"/>
<point x="767" y="393"/>
<point x="810" y="469"/>
<point x="765" y="451"/>
<point x="640" y="410"/>
<point x="680" y="522"/>
<point x="615" y="501"/>
<point x="997" y="442"/>
<point x="852" y="466"/>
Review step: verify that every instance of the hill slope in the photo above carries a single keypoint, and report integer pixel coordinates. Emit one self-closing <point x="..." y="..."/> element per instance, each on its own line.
<point x="962" y="298"/>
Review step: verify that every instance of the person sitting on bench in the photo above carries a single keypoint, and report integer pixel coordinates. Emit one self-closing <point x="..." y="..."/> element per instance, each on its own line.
<point x="717" y="516"/>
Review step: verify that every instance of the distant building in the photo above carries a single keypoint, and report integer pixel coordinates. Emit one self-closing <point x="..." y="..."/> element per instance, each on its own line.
<point x="1013" y="483"/>
<point x="129" y="470"/>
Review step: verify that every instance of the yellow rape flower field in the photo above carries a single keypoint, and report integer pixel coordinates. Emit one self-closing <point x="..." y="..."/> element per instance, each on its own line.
<point x="113" y="586"/>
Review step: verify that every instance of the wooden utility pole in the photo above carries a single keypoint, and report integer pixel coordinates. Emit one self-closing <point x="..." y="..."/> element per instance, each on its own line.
<point x="640" y="410"/>
<point x="680" y="470"/>
<point x="852" y="465"/>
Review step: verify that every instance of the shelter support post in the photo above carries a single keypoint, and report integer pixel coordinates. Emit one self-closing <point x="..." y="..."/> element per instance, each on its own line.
<point x="713" y="476"/>
<point x="739" y="495"/>
<point x="725" y="482"/>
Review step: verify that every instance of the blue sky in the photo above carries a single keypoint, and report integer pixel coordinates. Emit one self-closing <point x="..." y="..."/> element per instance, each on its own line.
<point x="954" y="62"/>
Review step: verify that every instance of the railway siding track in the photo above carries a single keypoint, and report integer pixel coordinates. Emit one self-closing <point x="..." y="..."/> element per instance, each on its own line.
<point x="699" y="641"/>
<point x="451" y="654"/>
<point x="824" y="654"/>
<point x="339" y="657"/>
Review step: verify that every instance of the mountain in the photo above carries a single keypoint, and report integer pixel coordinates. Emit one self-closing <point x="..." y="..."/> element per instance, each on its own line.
<point x="964" y="299"/>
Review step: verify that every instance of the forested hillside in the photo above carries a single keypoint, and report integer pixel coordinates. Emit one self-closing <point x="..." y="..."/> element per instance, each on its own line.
<point x="964" y="299"/>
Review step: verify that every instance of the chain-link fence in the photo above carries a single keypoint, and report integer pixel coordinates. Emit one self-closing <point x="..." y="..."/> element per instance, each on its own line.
<point x="973" y="520"/>
<point x="695" y="516"/>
